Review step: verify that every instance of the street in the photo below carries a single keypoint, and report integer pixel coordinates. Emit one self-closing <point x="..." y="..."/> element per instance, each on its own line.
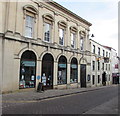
<point x="80" y="103"/>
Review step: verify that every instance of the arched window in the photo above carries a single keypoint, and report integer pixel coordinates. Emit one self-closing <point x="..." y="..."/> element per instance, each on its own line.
<point x="74" y="71"/>
<point x="62" y="70"/>
<point x="28" y="70"/>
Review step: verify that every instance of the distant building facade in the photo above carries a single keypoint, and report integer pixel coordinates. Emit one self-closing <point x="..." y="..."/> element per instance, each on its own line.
<point x="114" y="66"/>
<point x="43" y="42"/>
<point x="101" y="71"/>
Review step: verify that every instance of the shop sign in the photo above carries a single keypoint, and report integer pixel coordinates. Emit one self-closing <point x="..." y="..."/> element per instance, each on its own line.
<point x="62" y="65"/>
<point x="28" y="63"/>
<point x="73" y="66"/>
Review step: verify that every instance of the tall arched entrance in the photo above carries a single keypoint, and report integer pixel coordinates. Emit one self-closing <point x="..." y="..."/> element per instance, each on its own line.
<point x="47" y="71"/>
<point x="27" y="70"/>
<point x="74" y="71"/>
<point x="62" y="70"/>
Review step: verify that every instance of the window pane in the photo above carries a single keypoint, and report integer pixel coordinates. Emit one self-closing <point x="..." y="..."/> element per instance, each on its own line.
<point x="81" y="43"/>
<point x="47" y="29"/>
<point x="72" y="40"/>
<point x="29" y="26"/>
<point x="61" y="36"/>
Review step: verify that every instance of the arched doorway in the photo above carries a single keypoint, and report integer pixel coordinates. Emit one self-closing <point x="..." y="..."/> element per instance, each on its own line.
<point x="74" y="71"/>
<point x="104" y="78"/>
<point x="27" y="70"/>
<point x="62" y="70"/>
<point x="47" y="71"/>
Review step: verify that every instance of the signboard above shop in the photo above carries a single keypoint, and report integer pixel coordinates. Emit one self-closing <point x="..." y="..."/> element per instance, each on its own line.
<point x="62" y="65"/>
<point x="28" y="63"/>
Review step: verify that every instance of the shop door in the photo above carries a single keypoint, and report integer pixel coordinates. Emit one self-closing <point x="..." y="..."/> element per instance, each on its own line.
<point x="47" y="75"/>
<point x="104" y="78"/>
<point x="47" y="72"/>
<point x="83" y="75"/>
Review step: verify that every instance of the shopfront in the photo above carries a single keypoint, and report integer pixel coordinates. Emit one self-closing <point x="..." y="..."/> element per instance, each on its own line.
<point x="74" y="71"/>
<point x="115" y="77"/>
<point x="27" y="70"/>
<point x="47" y="71"/>
<point x="62" y="70"/>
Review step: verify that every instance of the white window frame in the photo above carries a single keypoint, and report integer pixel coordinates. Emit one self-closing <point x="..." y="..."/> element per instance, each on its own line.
<point x="82" y="43"/>
<point x="73" y="40"/>
<point x="29" y="26"/>
<point x="94" y="49"/>
<point x="50" y="32"/>
<point x="63" y="36"/>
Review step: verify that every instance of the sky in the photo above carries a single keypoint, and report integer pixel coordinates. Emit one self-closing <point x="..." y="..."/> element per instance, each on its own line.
<point x="103" y="14"/>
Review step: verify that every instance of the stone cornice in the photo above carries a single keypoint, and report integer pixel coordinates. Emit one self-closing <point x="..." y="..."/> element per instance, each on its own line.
<point x="60" y="7"/>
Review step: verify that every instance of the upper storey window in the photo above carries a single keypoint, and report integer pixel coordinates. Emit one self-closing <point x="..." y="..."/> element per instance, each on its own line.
<point x="82" y="38"/>
<point x="94" y="49"/>
<point x="29" y="26"/>
<point x="47" y="32"/>
<point x="30" y="14"/>
<point x="61" y="36"/>
<point x="81" y="43"/>
<point x="98" y="51"/>
<point x="73" y="36"/>
<point x="62" y="28"/>
<point x="48" y="24"/>
<point x="73" y="40"/>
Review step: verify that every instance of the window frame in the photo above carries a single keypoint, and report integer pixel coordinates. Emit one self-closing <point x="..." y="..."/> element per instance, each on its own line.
<point x="63" y="34"/>
<point x="50" y="32"/>
<point x="93" y="49"/>
<point x="73" y="40"/>
<point x="99" y="51"/>
<point x="93" y="65"/>
<point x="98" y="78"/>
<point x="81" y="43"/>
<point x="29" y="10"/>
<point x="28" y="27"/>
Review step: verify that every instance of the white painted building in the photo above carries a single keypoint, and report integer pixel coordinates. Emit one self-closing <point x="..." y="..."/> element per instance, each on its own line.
<point x="100" y="64"/>
<point x="114" y="66"/>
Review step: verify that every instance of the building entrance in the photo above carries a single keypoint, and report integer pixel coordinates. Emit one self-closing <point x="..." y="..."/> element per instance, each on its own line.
<point x="47" y="71"/>
<point x="104" y="78"/>
<point x="83" y="75"/>
<point x="27" y="70"/>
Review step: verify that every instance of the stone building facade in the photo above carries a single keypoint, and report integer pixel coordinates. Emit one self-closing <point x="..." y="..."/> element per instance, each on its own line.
<point x="42" y="42"/>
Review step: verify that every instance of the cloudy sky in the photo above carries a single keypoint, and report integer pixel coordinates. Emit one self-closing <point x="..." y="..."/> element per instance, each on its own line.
<point x="103" y="14"/>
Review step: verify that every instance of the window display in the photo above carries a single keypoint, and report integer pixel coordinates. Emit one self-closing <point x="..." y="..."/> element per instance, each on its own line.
<point x="62" y="70"/>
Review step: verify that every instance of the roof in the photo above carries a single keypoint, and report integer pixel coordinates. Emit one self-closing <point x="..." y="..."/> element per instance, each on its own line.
<point x="103" y="45"/>
<point x="68" y="11"/>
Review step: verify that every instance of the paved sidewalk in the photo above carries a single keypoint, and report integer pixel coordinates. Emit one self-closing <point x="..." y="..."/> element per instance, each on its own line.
<point x="33" y="95"/>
